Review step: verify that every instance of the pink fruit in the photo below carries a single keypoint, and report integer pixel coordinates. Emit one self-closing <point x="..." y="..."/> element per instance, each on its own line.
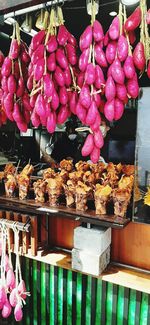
<point x="129" y="68"/>
<point x="22" y="289"/>
<point x="98" y="33"/>
<point x="95" y="154"/>
<point x="92" y="113"/>
<point x="114" y="29"/>
<point x="111" y="51"/>
<point x="90" y="74"/>
<point x="81" y="112"/>
<point x="110" y="89"/>
<point x="18" y="313"/>
<point x="100" y="56"/>
<point x="85" y="97"/>
<point x="51" y="122"/>
<point x="98" y="139"/>
<point x="37" y="40"/>
<point x="6" y="311"/>
<point x="14" y="49"/>
<point x="109" y="110"/>
<point x="88" y="145"/>
<point x="119" y="109"/>
<point x="86" y="38"/>
<point x="62" y="36"/>
<point x="122" y="48"/>
<point x="52" y="44"/>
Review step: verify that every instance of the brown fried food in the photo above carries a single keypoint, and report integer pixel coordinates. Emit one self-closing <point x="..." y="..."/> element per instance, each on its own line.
<point x="82" y="166"/>
<point x="126" y="182"/>
<point x="64" y="175"/>
<point x="49" y="173"/>
<point x="76" y="175"/>
<point x="66" y="165"/>
<point x="128" y="170"/>
<point x="121" y="199"/>
<point x="23" y="181"/>
<point x="1" y="175"/>
<point x="10" y="185"/>
<point x="27" y="170"/>
<point x="89" y="178"/>
<point x="9" y="169"/>
<point x="82" y="193"/>
<point x="39" y="189"/>
<point x="102" y="196"/>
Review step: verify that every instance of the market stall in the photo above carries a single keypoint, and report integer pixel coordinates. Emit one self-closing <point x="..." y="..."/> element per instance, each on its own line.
<point x="74" y="174"/>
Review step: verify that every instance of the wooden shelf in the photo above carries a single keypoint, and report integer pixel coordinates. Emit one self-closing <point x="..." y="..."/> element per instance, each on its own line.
<point x="35" y="209"/>
<point x="123" y="276"/>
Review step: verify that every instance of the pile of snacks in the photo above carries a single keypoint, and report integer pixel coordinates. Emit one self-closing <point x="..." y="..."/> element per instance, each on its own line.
<point x="103" y="184"/>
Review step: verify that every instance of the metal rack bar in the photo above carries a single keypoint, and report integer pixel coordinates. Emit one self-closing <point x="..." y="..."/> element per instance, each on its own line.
<point x="33" y="8"/>
<point x="16" y="224"/>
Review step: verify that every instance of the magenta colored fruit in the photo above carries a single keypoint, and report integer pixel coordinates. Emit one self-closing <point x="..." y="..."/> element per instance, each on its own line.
<point x="88" y="145"/>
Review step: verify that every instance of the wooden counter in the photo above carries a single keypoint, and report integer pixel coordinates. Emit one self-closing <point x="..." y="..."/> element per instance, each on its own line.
<point x="122" y="276"/>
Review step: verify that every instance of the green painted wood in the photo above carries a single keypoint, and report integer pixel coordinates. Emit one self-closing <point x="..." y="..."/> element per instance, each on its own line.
<point x="69" y="297"/>
<point x="78" y="299"/>
<point x="88" y="301"/>
<point x="109" y="304"/>
<point x="59" y="291"/>
<point x="60" y="297"/>
<point x="51" y="298"/>
<point x="26" y="276"/>
<point x="98" y="302"/>
<point x="43" y="294"/>
<point x="144" y="309"/>
<point x="132" y="308"/>
<point x="34" y="290"/>
<point x="120" y="306"/>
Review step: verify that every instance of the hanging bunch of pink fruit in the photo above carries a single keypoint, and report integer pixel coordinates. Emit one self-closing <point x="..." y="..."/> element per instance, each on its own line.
<point x="15" y="98"/>
<point x="108" y="78"/>
<point x="3" y="117"/>
<point x="51" y="77"/>
<point x="12" y="287"/>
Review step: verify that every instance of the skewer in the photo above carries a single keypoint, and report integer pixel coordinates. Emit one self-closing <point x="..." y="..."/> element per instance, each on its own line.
<point x="17" y="167"/>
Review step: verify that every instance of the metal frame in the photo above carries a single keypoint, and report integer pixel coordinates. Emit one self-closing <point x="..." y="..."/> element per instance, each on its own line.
<point x="20" y="226"/>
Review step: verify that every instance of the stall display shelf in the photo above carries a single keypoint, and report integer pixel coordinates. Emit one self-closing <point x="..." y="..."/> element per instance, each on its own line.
<point x="30" y="207"/>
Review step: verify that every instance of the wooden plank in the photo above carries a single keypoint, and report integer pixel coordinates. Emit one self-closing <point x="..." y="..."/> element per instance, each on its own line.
<point x="10" y="216"/>
<point x="34" y="237"/>
<point x="25" y="237"/>
<point x="131" y="245"/>
<point x="30" y="207"/>
<point x="43" y="230"/>
<point x="61" y="232"/>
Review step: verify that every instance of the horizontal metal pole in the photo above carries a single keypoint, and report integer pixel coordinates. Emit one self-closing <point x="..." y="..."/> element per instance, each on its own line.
<point x="15" y="225"/>
<point x="33" y="8"/>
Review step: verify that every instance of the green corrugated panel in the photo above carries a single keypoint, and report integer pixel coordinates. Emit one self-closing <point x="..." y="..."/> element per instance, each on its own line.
<point x="27" y="281"/>
<point x="144" y="309"/>
<point x="69" y="297"/>
<point x="43" y="294"/>
<point x="52" y="298"/>
<point x="60" y="297"/>
<point x="72" y="293"/>
<point x="98" y="302"/>
<point x="120" y="306"/>
<point x="109" y="304"/>
<point x="34" y="292"/>
<point x="88" y="301"/>
<point x="132" y="308"/>
<point x="78" y="299"/>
